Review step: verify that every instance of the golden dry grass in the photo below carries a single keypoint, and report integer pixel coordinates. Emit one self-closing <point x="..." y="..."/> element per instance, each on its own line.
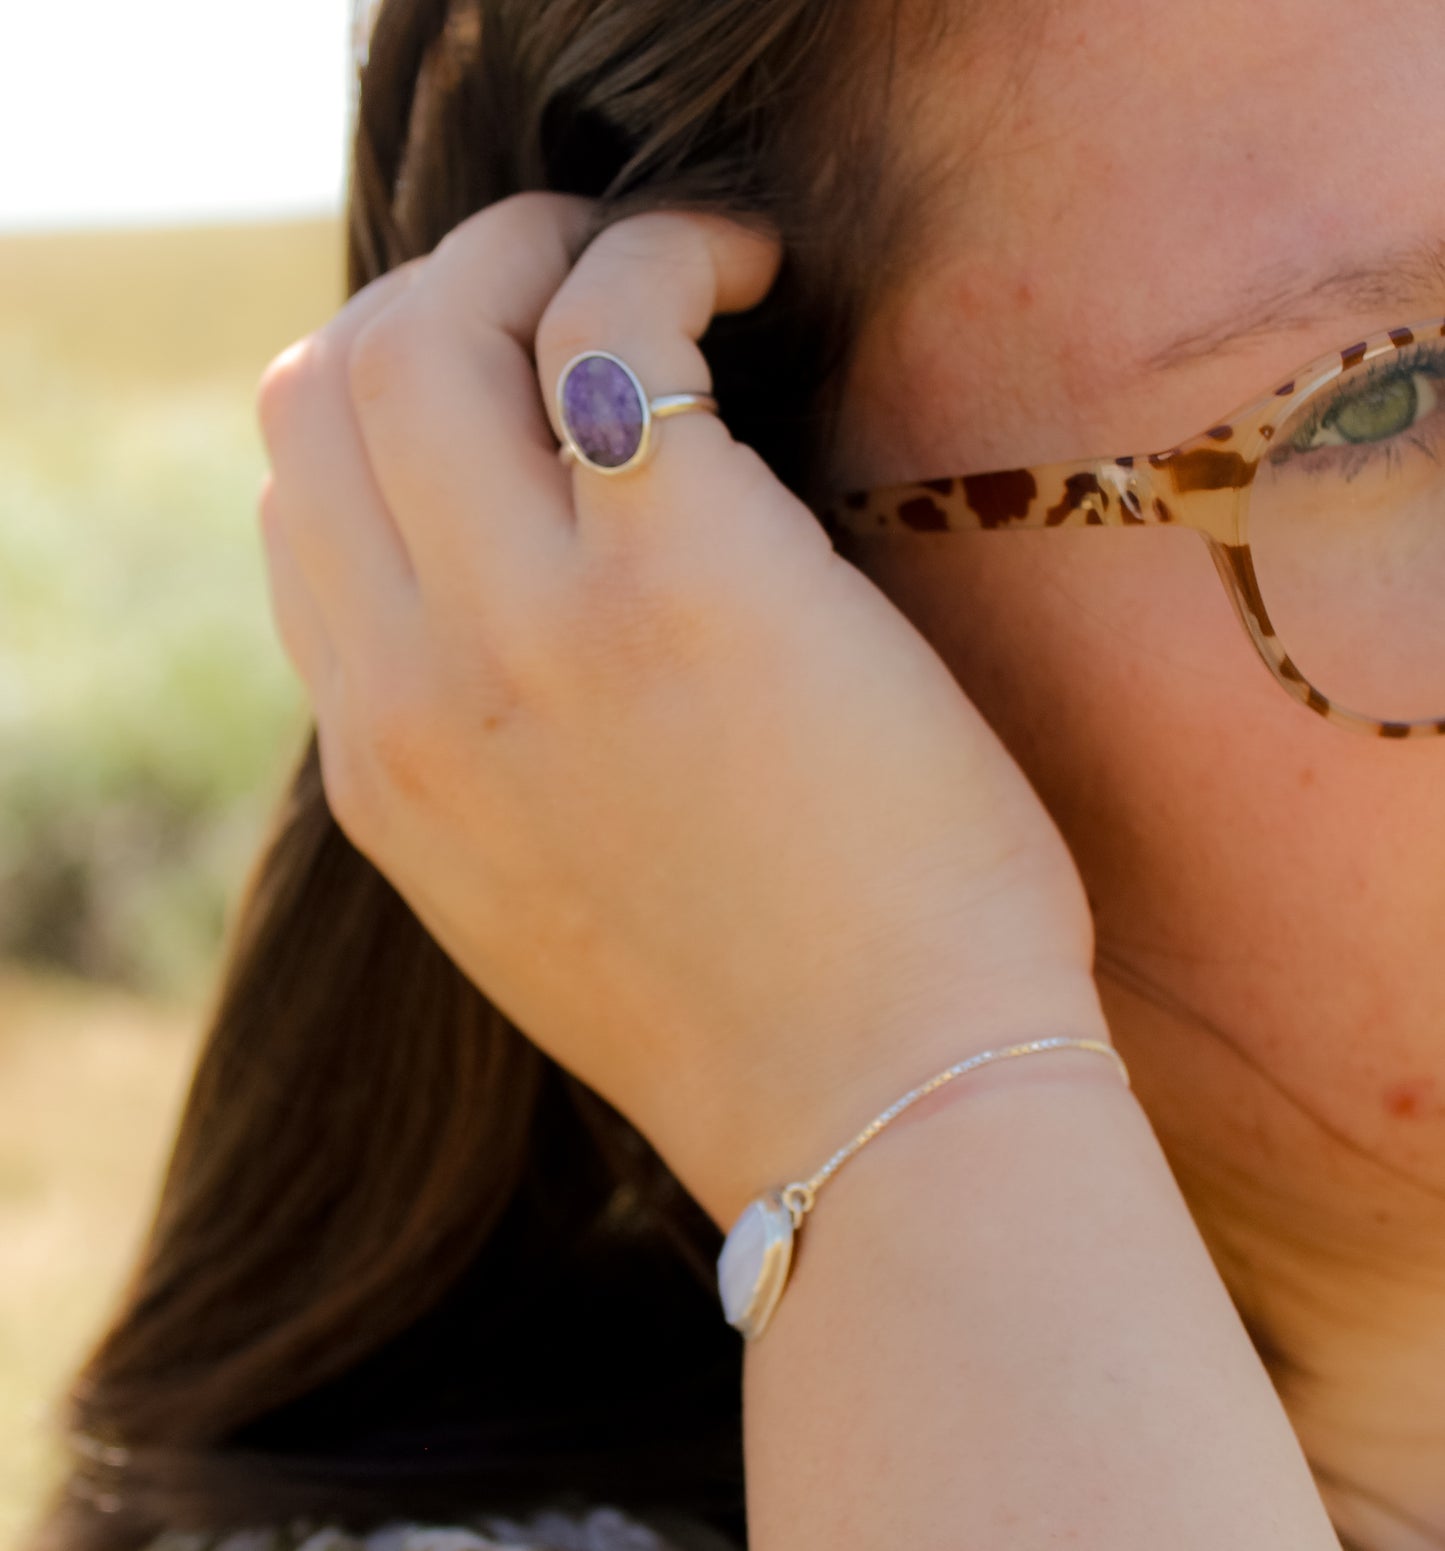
<point x="91" y="1084"/>
<point x="164" y="305"/>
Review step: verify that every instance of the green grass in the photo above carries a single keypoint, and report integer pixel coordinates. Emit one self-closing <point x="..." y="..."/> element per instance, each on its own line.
<point x="146" y="698"/>
<point x="146" y="707"/>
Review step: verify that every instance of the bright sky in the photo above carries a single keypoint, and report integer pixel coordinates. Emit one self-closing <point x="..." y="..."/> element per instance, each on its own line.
<point x="140" y="112"/>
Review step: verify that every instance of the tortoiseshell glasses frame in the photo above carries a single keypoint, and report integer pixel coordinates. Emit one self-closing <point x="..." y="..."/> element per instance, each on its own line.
<point x="1202" y="484"/>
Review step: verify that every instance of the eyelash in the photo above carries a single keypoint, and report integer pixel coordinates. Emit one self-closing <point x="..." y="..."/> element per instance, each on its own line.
<point x="1420" y="360"/>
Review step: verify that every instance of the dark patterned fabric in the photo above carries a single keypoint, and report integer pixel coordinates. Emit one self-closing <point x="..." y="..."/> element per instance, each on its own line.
<point x="598" y="1529"/>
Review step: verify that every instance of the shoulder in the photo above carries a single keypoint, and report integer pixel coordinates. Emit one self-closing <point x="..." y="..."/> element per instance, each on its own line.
<point x="595" y="1529"/>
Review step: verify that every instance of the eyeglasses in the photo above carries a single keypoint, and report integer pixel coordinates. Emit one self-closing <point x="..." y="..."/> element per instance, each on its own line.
<point x="1323" y="506"/>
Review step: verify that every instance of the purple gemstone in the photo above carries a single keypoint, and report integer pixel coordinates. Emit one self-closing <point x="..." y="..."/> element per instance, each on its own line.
<point x="602" y="411"/>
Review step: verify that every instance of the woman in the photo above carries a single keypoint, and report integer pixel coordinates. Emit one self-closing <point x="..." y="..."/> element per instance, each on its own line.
<point x="750" y="842"/>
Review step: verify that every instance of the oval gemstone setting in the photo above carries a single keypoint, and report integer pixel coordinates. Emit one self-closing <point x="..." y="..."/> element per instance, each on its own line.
<point x="604" y="411"/>
<point x="753" y="1266"/>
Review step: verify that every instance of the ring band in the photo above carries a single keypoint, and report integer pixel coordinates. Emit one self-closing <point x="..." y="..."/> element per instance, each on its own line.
<point x="606" y="415"/>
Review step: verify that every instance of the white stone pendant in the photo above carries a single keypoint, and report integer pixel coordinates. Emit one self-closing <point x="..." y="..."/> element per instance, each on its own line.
<point x="753" y="1266"/>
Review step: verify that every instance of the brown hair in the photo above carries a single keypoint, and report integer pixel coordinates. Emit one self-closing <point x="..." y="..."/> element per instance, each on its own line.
<point x="401" y="1262"/>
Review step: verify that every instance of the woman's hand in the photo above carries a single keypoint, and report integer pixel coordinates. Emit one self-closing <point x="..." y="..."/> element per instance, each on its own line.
<point x="675" y="785"/>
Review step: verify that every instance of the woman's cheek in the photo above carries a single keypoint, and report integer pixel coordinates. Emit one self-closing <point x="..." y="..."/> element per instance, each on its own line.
<point x="1277" y="880"/>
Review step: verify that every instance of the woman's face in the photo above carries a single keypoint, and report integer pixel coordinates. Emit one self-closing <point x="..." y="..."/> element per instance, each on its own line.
<point x="1138" y="181"/>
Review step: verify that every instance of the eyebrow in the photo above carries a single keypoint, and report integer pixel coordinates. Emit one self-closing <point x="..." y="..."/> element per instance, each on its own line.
<point x="1409" y="278"/>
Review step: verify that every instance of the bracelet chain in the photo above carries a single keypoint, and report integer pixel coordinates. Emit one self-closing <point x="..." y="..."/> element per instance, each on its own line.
<point x="800" y="1196"/>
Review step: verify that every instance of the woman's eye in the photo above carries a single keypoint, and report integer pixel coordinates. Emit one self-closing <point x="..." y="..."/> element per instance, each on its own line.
<point x="1383" y="411"/>
<point x="1375" y="413"/>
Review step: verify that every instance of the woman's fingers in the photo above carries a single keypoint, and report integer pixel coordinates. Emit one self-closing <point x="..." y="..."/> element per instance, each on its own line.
<point x="344" y="540"/>
<point x="298" y="621"/>
<point x="458" y="416"/>
<point x="418" y="488"/>
<point x="646" y="290"/>
<point x="446" y="394"/>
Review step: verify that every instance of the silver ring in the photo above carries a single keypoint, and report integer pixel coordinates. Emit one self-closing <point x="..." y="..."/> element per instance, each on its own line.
<point x="606" y="415"/>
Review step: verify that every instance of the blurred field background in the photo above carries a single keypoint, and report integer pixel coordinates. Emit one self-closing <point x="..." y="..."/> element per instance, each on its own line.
<point x="147" y="719"/>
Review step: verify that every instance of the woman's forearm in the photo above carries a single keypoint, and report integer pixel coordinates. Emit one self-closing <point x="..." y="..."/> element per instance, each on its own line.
<point x="1004" y="1333"/>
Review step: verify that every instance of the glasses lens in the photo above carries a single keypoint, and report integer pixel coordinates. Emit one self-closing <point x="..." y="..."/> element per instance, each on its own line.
<point x="1346" y="527"/>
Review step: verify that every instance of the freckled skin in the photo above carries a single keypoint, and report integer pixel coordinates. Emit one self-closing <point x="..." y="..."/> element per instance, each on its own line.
<point x="1269" y="889"/>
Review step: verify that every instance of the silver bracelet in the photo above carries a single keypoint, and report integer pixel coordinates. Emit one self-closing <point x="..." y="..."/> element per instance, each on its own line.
<point x="757" y="1254"/>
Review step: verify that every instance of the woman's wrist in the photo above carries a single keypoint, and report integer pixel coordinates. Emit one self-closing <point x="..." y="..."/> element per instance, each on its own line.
<point x="756" y="1259"/>
<point x="1004" y="1329"/>
<point x="828" y="1107"/>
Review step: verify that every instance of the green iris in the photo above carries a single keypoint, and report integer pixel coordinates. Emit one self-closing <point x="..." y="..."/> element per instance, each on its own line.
<point x="1387" y="409"/>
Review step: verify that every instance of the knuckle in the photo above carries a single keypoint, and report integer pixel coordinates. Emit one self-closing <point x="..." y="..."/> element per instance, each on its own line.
<point x="567" y="327"/>
<point x="381" y="356"/>
<point x="679" y="236"/>
<point x="502" y="220"/>
<point x="281" y="383"/>
<point x="541" y="206"/>
<point x="673" y="245"/>
<point x="541" y="223"/>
